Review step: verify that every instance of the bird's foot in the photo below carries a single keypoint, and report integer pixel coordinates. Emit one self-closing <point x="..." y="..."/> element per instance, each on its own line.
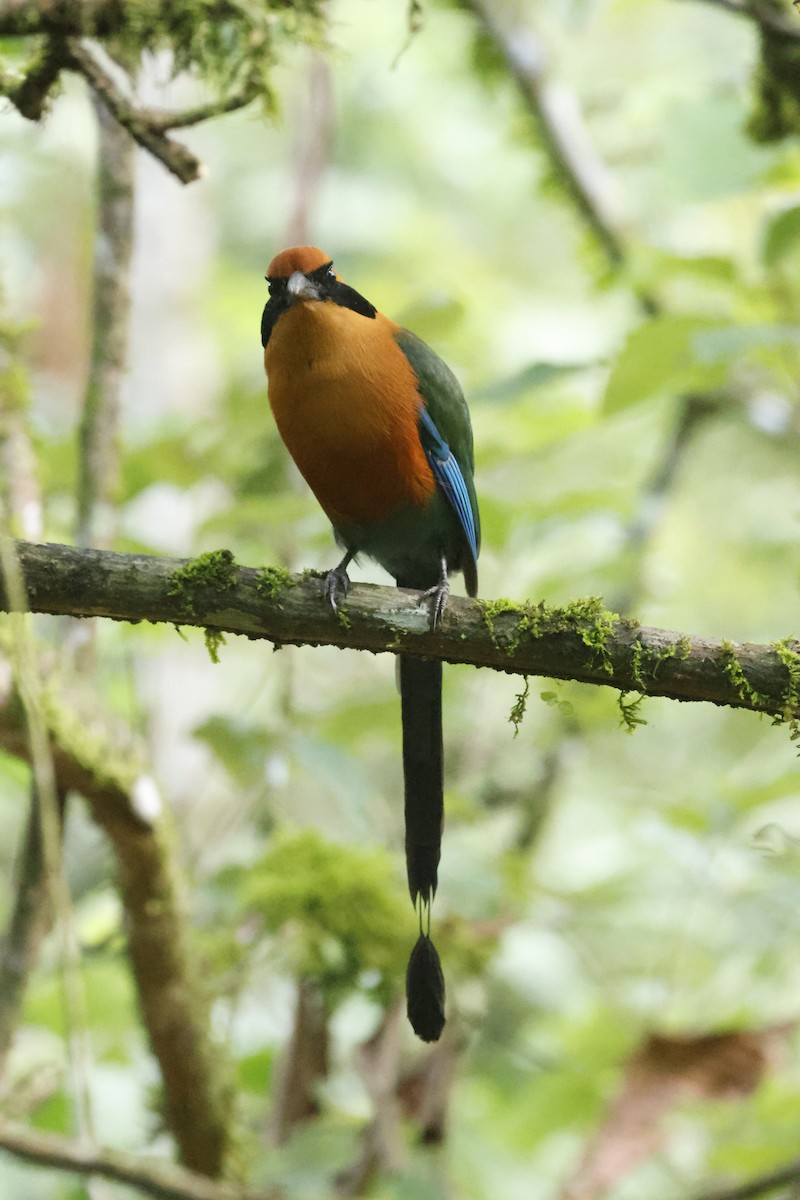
<point x="438" y="596"/>
<point x="337" y="585"/>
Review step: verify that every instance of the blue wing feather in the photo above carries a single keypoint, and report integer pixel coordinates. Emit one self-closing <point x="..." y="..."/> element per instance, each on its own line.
<point x="446" y="437"/>
<point x="448" y="475"/>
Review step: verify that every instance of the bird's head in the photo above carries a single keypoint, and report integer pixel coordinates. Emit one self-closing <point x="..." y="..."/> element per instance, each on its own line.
<point x="305" y="273"/>
<point x="300" y="273"/>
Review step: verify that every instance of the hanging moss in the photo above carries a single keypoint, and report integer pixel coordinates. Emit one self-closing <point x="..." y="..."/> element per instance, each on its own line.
<point x="789" y="656"/>
<point x="214" y="639"/>
<point x="735" y="672"/>
<point x="230" y="45"/>
<point x="630" y="717"/>
<point x="223" y="42"/>
<point x="519" y="706"/>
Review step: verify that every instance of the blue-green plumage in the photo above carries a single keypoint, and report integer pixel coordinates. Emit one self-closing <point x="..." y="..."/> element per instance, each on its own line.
<point x="447" y="411"/>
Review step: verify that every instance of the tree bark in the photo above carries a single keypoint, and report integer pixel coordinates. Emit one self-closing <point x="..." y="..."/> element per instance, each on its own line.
<point x="149" y="1175"/>
<point x="581" y="641"/>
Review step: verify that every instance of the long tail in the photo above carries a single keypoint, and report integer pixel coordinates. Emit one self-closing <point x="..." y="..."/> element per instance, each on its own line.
<point x="421" y="702"/>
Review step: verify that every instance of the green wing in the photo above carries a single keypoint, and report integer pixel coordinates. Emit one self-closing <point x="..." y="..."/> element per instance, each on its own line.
<point x="447" y="408"/>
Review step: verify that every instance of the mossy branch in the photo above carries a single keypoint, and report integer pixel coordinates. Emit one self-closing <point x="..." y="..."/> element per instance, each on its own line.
<point x="229" y="46"/>
<point x="176" y="157"/>
<point x="103" y="18"/>
<point x="581" y="641"/>
<point x="124" y="802"/>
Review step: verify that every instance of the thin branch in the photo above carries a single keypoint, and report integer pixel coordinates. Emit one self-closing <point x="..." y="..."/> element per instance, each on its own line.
<point x="99" y="452"/>
<point x="577" y="165"/>
<point x="158" y="1179"/>
<point x="19" y="485"/>
<point x="425" y="1090"/>
<point x="580" y="641"/>
<point x="769" y="18"/>
<point x="20" y="495"/>
<point x="28" y="688"/>
<point x="147" y="126"/>
<point x="173" y="1002"/>
<point x="305" y="1066"/>
<point x="732" y="6"/>
<point x="314" y="141"/>
<point x="30" y="921"/>
<point x="692" y="411"/>
<point x="30" y="93"/>
<point x="161" y="121"/>
<point x="381" y="1152"/>
<point x="760" y="1186"/>
<point x="176" y="157"/>
<point x="33" y="910"/>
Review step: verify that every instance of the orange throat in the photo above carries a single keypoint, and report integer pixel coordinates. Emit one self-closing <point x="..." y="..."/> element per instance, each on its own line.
<point x="346" y="404"/>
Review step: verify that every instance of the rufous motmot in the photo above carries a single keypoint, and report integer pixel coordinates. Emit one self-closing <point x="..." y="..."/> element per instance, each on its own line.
<point x="378" y="427"/>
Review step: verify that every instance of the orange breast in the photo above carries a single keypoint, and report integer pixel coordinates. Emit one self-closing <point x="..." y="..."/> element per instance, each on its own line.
<point x="345" y="402"/>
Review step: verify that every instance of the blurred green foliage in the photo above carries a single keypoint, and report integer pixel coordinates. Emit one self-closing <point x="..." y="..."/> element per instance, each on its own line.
<point x="340" y="908"/>
<point x="594" y="886"/>
<point x="776" y="110"/>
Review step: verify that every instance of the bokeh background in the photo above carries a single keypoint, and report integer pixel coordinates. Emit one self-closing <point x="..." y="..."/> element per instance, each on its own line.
<point x="612" y="895"/>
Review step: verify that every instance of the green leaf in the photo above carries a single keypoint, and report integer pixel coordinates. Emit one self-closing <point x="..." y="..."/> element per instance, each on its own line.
<point x="661" y="356"/>
<point x="255" y="1071"/>
<point x="110" y="1006"/>
<point x="54" y="1114"/>
<point x="780" y="236"/>
<point x="239" y="746"/>
<point x="527" y="379"/>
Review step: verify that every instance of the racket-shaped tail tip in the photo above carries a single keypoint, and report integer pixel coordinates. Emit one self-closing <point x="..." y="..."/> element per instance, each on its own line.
<point x="425" y="991"/>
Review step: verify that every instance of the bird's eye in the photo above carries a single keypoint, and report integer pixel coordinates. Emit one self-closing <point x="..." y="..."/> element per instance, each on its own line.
<point x="331" y="271"/>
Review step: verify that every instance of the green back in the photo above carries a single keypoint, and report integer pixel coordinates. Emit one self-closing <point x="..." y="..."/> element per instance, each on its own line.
<point x="446" y="405"/>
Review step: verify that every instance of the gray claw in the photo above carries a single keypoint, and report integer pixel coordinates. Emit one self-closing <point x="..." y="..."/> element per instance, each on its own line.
<point x="438" y="596"/>
<point x="337" y="585"/>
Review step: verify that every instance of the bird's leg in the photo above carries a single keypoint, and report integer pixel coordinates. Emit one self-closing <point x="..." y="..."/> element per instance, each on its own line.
<point x="438" y="595"/>
<point x="337" y="581"/>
